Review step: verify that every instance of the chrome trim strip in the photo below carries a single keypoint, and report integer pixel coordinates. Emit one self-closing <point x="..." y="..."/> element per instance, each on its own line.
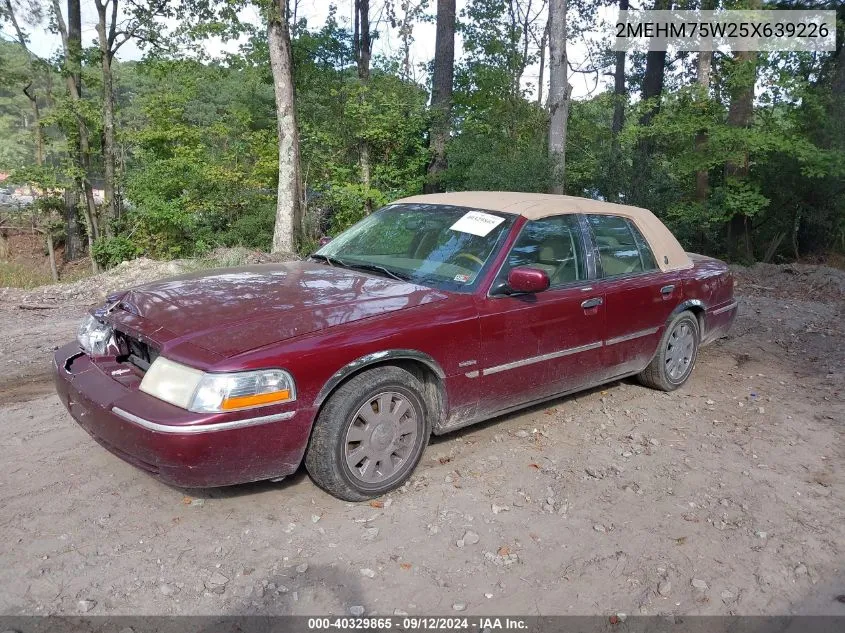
<point x="631" y="336"/>
<point x="541" y="358"/>
<point x="472" y="374"/>
<point x="730" y="306"/>
<point x="201" y="428"/>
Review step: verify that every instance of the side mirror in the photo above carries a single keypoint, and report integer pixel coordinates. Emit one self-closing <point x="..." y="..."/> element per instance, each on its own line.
<point x="325" y="240"/>
<point x="525" y="279"/>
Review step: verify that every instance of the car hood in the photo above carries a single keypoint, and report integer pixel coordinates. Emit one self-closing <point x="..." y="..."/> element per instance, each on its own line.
<point x="234" y="310"/>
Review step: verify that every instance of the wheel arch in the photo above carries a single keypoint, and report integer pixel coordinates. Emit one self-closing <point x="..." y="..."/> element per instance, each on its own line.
<point x="421" y="365"/>
<point x="696" y="306"/>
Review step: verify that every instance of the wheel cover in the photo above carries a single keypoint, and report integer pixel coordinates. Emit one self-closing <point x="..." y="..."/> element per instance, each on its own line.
<point x="680" y="350"/>
<point x="380" y="440"/>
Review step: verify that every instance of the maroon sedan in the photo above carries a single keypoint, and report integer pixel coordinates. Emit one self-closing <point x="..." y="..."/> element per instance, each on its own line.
<point x="431" y="314"/>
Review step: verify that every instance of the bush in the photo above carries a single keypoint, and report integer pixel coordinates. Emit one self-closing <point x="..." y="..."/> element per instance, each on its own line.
<point x="110" y="251"/>
<point x="347" y="204"/>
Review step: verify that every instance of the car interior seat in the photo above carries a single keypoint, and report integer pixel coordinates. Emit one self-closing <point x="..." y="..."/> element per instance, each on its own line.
<point x="612" y="264"/>
<point x="556" y="257"/>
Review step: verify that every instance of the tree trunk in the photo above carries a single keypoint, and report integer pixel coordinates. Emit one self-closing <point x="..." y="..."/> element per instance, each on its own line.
<point x="109" y="144"/>
<point x="363" y="44"/>
<point x="620" y="92"/>
<point x="73" y="237"/>
<point x="39" y="133"/>
<point x="288" y="212"/>
<point x="72" y="41"/>
<point x="702" y="176"/>
<point x="51" y="253"/>
<point x="655" y="72"/>
<point x="704" y="65"/>
<point x="544" y="42"/>
<point x="559" y="93"/>
<point x="441" y="93"/>
<point x="363" y="51"/>
<point x="740" y="115"/>
<point x="652" y="90"/>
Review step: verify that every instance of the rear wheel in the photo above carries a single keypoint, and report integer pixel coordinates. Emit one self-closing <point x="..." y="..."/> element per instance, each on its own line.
<point x="370" y="435"/>
<point x="675" y="358"/>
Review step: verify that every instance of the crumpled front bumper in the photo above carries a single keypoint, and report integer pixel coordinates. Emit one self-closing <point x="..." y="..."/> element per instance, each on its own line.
<point x="179" y="447"/>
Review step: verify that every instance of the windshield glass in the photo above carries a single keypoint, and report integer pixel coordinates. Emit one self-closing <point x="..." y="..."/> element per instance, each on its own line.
<point x="441" y="246"/>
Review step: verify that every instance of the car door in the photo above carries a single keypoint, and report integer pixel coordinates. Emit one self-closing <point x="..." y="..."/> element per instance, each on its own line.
<point x="638" y="297"/>
<point x="536" y="345"/>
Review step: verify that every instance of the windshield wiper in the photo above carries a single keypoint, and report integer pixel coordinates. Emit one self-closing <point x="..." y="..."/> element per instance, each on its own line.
<point x="331" y="261"/>
<point x="376" y="268"/>
<point x="334" y="261"/>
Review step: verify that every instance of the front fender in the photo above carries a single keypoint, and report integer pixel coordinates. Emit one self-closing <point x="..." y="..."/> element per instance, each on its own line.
<point x="371" y="359"/>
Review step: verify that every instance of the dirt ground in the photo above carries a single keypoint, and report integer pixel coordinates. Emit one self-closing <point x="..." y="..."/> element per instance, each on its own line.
<point x="726" y="497"/>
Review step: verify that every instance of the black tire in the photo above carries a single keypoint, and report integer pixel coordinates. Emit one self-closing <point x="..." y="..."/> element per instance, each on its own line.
<point x="329" y="446"/>
<point x="660" y="373"/>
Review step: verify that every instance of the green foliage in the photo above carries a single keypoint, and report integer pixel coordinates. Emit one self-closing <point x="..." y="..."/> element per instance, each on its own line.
<point x="199" y="153"/>
<point x="345" y="204"/>
<point x="110" y="251"/>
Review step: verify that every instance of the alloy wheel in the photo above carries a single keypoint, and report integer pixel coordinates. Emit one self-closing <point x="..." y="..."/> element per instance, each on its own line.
<point x="380" y="440"/>
<point x="680" y="351"/>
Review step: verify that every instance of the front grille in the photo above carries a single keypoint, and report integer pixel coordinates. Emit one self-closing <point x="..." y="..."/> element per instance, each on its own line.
<point x="135" y="351"/>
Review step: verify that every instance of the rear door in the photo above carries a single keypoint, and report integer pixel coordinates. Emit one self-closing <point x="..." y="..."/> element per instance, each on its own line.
<point x="638" y="297"/>
<point x="537" y="345"/>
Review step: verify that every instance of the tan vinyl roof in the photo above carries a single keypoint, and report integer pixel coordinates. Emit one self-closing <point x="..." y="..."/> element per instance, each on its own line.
<point x="669" y="253"/>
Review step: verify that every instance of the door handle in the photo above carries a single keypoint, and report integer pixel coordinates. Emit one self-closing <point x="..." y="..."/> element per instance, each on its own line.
<point x="667" y="290"/>
<point x="592" y="303"/>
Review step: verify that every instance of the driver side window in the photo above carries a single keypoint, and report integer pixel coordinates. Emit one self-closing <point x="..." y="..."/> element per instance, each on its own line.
<point x="552" y="244"/>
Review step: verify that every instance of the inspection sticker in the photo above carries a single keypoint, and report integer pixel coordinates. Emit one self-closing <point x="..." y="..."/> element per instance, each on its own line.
<point x="477" y="223"/>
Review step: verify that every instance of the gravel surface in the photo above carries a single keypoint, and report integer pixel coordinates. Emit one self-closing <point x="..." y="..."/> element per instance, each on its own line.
<point x="723" y="497"/>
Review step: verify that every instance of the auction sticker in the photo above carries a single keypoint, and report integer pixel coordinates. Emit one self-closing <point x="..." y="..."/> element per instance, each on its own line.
<point x="477" y="223"/>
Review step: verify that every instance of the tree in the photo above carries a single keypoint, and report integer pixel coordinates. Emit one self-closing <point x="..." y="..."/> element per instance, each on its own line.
<point x="7" y="11"/>
<point x="111" y="35"/>
<point x="740" y="116"/>
<point x="363" y="46"/>
<point x="411" y="11"/>
<point x="71" y="34"/>
<point x="542" y="45"/>
<point x="559" y="94"/>
<point x="288" y="213"/>
<point x="620" y="91"/>
<point x="704" y="64"/>
<point x="655" y="72"/>
<point x="441" y="93"/>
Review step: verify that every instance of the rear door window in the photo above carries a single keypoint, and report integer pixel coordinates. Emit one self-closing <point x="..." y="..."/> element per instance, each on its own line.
<point x="622" y="248"/>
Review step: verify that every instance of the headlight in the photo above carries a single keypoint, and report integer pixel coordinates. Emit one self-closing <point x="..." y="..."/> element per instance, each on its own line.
<point x="93" y="335"/>
<point x="201" y="392"/>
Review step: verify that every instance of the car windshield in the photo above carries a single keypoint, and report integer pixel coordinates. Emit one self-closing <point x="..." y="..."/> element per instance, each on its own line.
<point x="441" y="246"/>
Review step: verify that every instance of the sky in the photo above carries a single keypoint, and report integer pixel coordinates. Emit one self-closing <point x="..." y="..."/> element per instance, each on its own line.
<point x="46" y="44"/>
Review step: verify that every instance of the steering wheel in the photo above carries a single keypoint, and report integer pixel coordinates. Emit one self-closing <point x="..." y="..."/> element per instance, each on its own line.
<point x="470" y="257"/>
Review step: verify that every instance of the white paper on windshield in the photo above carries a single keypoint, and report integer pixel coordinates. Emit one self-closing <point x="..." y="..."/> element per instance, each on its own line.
<point x="477" y="223"/>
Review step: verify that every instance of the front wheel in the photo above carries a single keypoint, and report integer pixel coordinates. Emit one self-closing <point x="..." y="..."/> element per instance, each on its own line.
<point x="675" y="358"/>
<point x="370" y="435"/>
